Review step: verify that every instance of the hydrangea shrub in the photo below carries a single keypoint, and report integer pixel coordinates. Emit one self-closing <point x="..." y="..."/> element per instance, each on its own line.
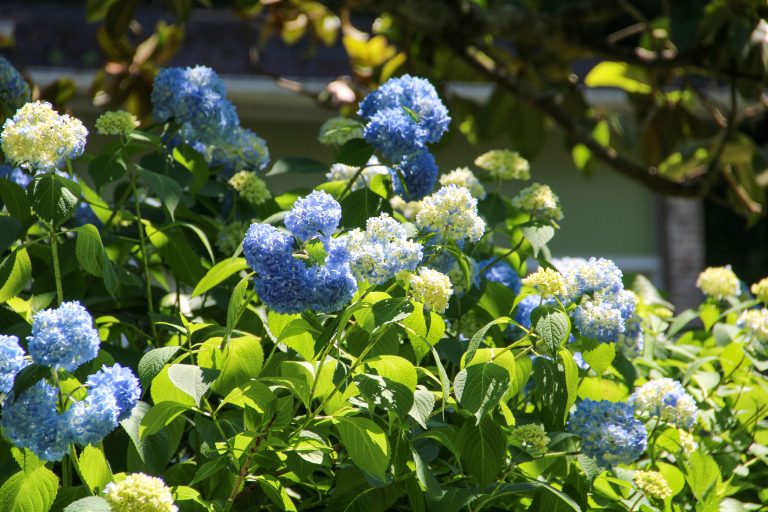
<point x="175" y="335"/>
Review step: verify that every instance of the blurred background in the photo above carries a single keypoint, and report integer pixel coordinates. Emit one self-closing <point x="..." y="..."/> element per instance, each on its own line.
<point x="647" y="118"/>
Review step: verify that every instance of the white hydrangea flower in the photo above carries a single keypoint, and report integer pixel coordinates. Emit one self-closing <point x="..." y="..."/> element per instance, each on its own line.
<point x="755" y="323"/>
<point x="548" y="282"/>
<point x="665" y="400"/>
<point x="540" y="202"/>
<point x="504" y="164"/>
<point x="431" y="288"/>
<point x="452" y="213"/>
<point x="139" y="493"/>
<point x="343" y="172"/>
<point x="463" y="177"/>
<point x="718" y="282"/>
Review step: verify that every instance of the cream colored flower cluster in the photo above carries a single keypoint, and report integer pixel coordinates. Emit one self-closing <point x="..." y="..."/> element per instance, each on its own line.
<point x="548" y="282"/>
<point x="653" y="484"/>
<point x="431" y="288"/>
<point x="139" y="493"/>
<point x="532" y="437"/>
<point x="718" y="282"/>
<point x="504" y="164"/>
<point x="540" y="202"/>
<point x="119" y="122"/>
<point x="250" y="187"/>
<point x="760" y="289"/>
<point x="463" y="177"/>
<point x="755" y="323"/>
<point x="451" y="212"/>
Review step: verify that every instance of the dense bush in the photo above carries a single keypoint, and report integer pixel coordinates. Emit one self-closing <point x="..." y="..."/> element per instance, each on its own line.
<point x="174" y="333"/>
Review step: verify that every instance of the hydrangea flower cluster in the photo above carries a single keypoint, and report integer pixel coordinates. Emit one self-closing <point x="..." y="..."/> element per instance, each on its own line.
<point x="63" y="338"/>
<point x="343" y="172"/>
<point x="718" y="282"/>
<point x="603" y="306"/>
<point x="500" y="272"/>
<point x="337" y="131"/>
<point x="524" y="309"/>
<point x="414" y="176"/>
<point x="540" y="202"/>
<point x="118" y="122"/>
<point x="382" y="251"/>
<point x="14" y="91"/>
<point x="463" y="177"/>
<point x="665" y="400"/>
<point x="447" y="263"/>
<point x="548" y="282"/>
<point x="231" y="236"/>
<point x="504" y="164"/>
<point x="39" y="137"/>
<point x="451" y="212"/>
<point x="197" y="99"/>
<point x="760" y="289"/>
<point x="250" y="187"/>
<point x="285" y="282"/>
<point x="431" y="288"/>
<point x="609" y="432"/>
<point x="532" y="437"/>
<point x="139" y="493"/>
<point x="653" y="484"/>
<point x="755" y="324"/>
<point x="402" y="117"/>
<point x="11" y="361"/>
<point x="632" y="342"/>
<point x="407" y="209"/>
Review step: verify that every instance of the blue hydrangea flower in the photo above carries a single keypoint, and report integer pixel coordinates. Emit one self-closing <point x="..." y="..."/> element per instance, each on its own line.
<point x="63" y="338"/>
<point x="382" y="250"/>
<point x="447" y="263"/>
<point x="609" y="432"/>
<point x="403" y="115"/>
<point x="15" y="174"/>
<point x="196" y="98"/>
<point x="599" y="320"/>
<point x="91" y="420"/>
<point x="32" y="421"/>
<point x="316" y="214"/>
<point x="501" y="273"/>
<point x="14" y="91"/>
<point x="415" y="176"/>
<point x="524" y="309"/>
<point x="120" y="382"/>
<point x="11" y="361"/>
<point x="632" y="342"/>
<point x="665" y="400"/>
<point x="593" y="276"/>
<point x="289" y="284"/>
<point x="84" y="215"/>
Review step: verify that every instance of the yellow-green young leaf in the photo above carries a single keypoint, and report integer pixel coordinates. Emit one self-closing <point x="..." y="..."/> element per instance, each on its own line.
<point x="294" y="332"/>
<point x="596" y="388"/>
<point x="219" y="273"/>
<point x="732" y="357"/>
<point x="599" y="356"/>
<point x="276" y="492"/>
<point x="163" y="390"/>
<point x="383" y="310"/>
<point x="394" y="368"/>
<point x="15" y="273"/>
<point x="29" y="492"/>
<point x="673" y="476"/>
<point x="26" y="460"/>
<point x="617" y="74"/>
<point x="89" y="504"/>
<point x="238" y="302"/>
<point x="159" y="416"/>
<point x="239" y="361"/>
<point x="479" y="336"/>
<point x="424" y="329"/>
<point x="479" y="388"/>
<point x="255" y="395"/>
<point x="192" y="380"/>
<point x="94" y="468"/>
<point x="703" y="475"/>
<point x="483" y="450"/>
<point x="366" y="443"/>
<point x="571" y="375"/>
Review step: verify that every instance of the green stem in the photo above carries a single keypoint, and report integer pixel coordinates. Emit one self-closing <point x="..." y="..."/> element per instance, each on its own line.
<point x="56" y="265"/>
<point x="76" y="465"/>
<point x="144" y="258"/>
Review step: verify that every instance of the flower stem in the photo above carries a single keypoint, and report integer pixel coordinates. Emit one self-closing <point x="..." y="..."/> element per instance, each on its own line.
<point x="56" y="265"/>
<point x="144" y="258"/>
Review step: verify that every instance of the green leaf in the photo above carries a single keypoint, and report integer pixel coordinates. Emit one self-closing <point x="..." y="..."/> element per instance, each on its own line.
<point x="483" y="450"/>
<point x="395" y="368"/>
<point x="426" y="476"/>
<point x="479" y="388"/>
<point x="479" y="336"/>
<point x="29" y="492"/>
<point x="552" y="326"/>
<point x="209" y="469"/>
<point x="15" y="273"/>
<point x="89" y="249"/>
<point x="703" y="475"/>
<point x="360" y="205"/>
<point x="154" y="451"/>
<point x="219" y="273"/>
<point x="294" y="332"/>
<point x="355" y="153"/>
<point x="239" y="362"/>
<point x="159" y="416"/>
<point x="94" y="468"/>
<point x="153" y="362"/>
<point x="195" y="163"/>
<point x="366" y="443"/>
<point x="496" y="299"/>
<point x="423" y="405"/>
<point x="275" y="491"/>
<point x="53" y="197"/>
<point x="598" y="356"/>
<point x="571" y="374"/>
<point x="9" y="231"/>
<point x="424" y="328"/>
<point x="15" y="200"/>
<point x="297" y="164"/>
<point x="237" y="304"/>
<point x="538" y="236"/>
<point x="107" y="166"/>
<point x="28" y="376"/>
<point x="192" y="380"/>
<point x="89" y="504"/>
<point x="385" y="393"/>
<point x="167" y="189"/>
<point x="617" y="74"/>
<point x="383" y="312"/>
